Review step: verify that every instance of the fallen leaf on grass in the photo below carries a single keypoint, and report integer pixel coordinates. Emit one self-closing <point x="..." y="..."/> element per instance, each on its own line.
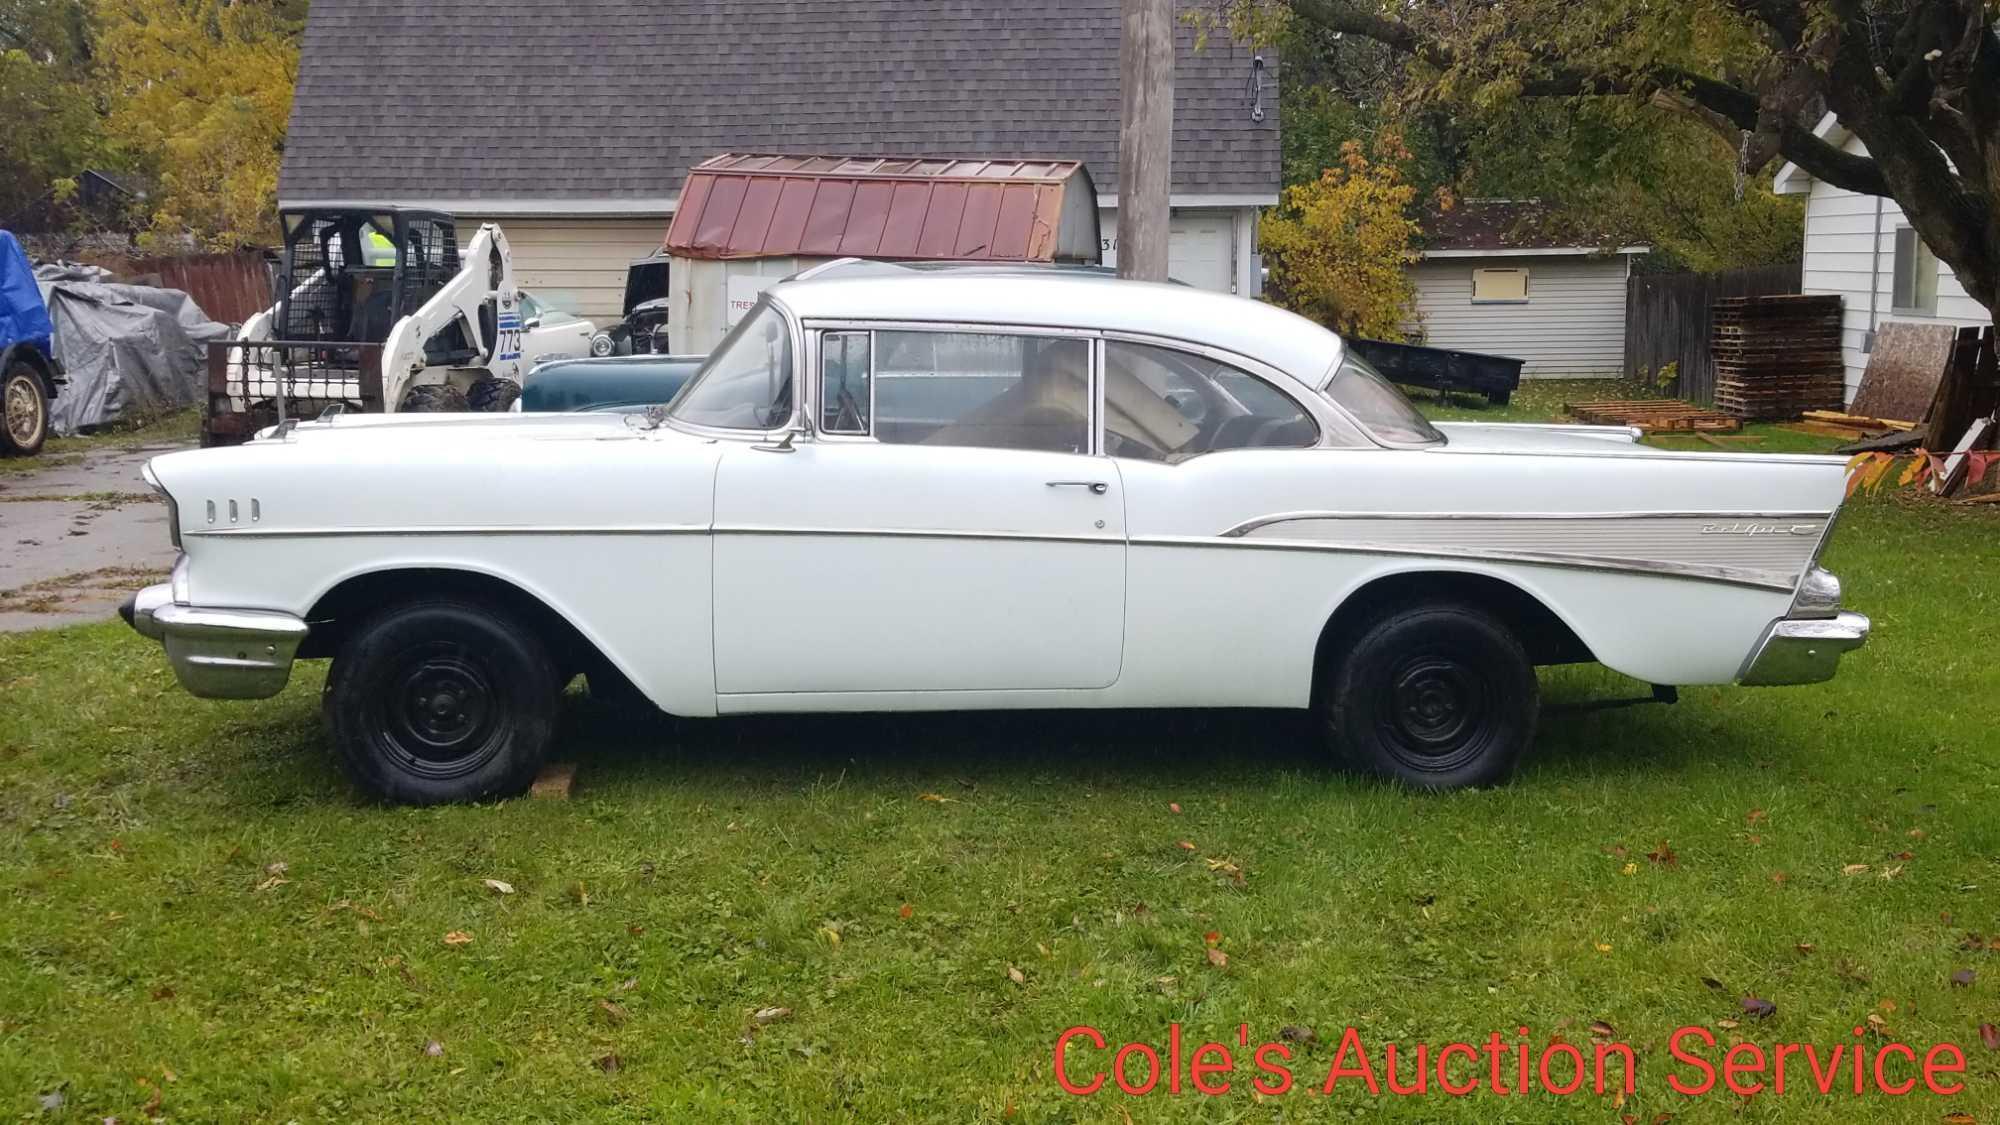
<point x="278" y="867"/>
<point x="1664" y="856"/>
<point x="1212" y="937"/>
<point x="1291" y="1034"/>
<point x="763" y="1016"/>
<point x="1963" y="978"/>
<point x="1854" y="869"/>
<point x="1174" y="805"/>
<point x="1186" y="845"/>
<point x="1890" y="872"/>
<point x="1599" y="1029"/>
<point x="1960" y="1119"/>
<point x="1990" y="1035"/>
<point x="609" y="1064"/>
<point x="1604" y="947"/>
<point x="152" y="1106"/>
<point x="1711" y="982"/>
<point x="499" y="886"/>
<point x="1756" y="816"/>
<point x="433" y="1048"/>
<point x="1805" y="947"/>
<point x="1218" y="958"/>
<point x="1016" y="975"/>
<point x="273" y="881"/>
<point x="614" y="1012"/>
<point x="629" y="984"/>
<point x="1629" y="869"/>
<point x="458" y="937"/>
<point x="1759" y="1007"/>
<point x="163" y="993"/>
<point x="1727" y="1025"/>
<point x="936" y="798"/>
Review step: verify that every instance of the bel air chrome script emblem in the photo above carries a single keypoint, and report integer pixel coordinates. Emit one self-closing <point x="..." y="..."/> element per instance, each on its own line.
<point x="1760" y="529"/>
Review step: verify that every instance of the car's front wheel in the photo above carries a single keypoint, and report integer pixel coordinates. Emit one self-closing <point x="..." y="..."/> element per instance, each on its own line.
<point x="1437" y="695"/>
<point x="442" y="700"/>
<point x="24" y="411"/>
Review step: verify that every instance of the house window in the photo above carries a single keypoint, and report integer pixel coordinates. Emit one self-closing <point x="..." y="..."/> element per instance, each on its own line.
<point x="1916" y="275"/>
<point x="1499" y="286"/>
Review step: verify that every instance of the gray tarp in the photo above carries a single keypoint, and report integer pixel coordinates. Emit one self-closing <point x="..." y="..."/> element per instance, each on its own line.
<point x="128" y="351"/>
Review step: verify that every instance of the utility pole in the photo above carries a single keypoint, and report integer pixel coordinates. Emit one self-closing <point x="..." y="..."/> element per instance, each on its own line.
<point x="1145" y="136"/>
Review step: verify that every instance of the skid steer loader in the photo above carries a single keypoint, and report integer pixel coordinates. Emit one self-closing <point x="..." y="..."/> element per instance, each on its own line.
<point x="379" y="309"/>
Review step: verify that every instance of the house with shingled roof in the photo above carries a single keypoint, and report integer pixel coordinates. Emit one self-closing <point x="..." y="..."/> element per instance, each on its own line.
<point x="574" y="126"/>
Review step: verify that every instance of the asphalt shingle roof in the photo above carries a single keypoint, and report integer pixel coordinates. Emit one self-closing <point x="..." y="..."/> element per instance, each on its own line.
<point x="615" y="99"/>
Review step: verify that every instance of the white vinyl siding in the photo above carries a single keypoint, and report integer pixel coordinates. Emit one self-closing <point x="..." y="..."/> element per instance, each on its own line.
<point x="576" y="264"/>
<point x="1845" y="242"/>
<point x="1572" y="324"/>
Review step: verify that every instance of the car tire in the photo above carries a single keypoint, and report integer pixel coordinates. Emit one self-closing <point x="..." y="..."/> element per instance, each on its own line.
<point x="434" y="398"/>
<point x="24" y="411"/>
<point x="492" y="394"/>
<point x="1436" y="695"/>
<point x="442" y="700"/>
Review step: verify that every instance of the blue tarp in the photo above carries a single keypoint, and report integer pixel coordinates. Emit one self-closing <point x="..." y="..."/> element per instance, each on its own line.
<point x="23" y="316"/>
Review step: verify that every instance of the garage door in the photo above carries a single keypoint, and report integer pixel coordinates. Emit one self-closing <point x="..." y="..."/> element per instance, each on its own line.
<point x="1200" y="250"/>
<point x="576" y="264"/>
<point x="1201" y="247"/>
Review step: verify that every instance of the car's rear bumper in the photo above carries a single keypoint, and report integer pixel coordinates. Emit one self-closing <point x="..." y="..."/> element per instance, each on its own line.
<point x="1804" y="650"/>
<point x="218" y="653"/>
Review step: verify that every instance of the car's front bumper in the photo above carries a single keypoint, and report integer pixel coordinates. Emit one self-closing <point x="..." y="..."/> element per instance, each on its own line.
<point x="1804" y="650"/>
<point x="218" y="653"/>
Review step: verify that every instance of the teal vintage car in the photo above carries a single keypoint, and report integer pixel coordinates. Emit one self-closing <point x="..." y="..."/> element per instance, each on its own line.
<point x="610" y="384"/>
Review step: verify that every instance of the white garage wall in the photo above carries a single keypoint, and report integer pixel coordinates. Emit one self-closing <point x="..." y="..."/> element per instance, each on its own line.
<point x="1208" y="249"/>
<point x="576" y="264"/>
<point x="1843" y="234"/>
<point x="1571" y="326"/>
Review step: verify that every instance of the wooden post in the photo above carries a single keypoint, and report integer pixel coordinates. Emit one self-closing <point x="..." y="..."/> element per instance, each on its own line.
<point x="1145" y="137"/>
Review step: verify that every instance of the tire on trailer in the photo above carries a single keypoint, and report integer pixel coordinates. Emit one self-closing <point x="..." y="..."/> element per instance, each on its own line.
<point x="492" y="394"/>
<point x="24" y="410"/>
<point x="440" y="700"/>
<point x="434" y="398"/>
<point x="1437" y="695"/>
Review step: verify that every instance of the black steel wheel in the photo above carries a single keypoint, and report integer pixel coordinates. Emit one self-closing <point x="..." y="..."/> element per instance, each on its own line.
<point x="442" y="701"/>
<point x="1438" y="696"/>
<point x="24" y="410"/>
<point x="492" y="394"/>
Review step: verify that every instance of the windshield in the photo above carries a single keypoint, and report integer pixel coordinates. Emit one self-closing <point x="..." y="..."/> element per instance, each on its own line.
<point x="747" y="383"/>
<point x="1378" y="405"/>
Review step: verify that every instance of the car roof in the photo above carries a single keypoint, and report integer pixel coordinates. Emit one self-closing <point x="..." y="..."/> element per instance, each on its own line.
<point x="1059" y="298"/>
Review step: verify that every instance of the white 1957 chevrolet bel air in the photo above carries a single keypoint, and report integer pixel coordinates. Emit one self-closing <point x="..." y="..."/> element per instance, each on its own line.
<point x="912" y="488"/>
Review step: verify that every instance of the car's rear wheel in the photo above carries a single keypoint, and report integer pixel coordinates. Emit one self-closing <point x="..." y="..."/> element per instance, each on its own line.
<point x="24" y="411"/>
<point x="442" y="700"/>
<point x="1437" y="695"/>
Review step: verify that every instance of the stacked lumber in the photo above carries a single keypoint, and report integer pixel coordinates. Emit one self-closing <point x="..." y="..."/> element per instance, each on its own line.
<point x="1777" y="357"/>
<point x="1653" y="415"/>
<point x="1853" y="427"/>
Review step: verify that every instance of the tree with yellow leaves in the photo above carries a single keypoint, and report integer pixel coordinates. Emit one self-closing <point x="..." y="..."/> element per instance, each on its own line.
<point x="1338" y="247"/>
<point x="197" y="94"/>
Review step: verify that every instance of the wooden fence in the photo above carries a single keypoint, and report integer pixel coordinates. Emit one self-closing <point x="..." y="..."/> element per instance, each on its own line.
<point x="230" y="288"/>
<point x="1667" y="320"/>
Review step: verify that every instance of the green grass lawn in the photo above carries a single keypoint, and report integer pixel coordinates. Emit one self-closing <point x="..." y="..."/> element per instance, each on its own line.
<point x="197" y="912"/>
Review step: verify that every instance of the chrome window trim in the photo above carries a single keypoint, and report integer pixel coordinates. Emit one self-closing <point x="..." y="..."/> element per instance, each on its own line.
<point x="819" y="336"/>
<point x="799" y="358"/>
<point x="815" y="329"/>
<point x="485" y="529"/>
<point x="1321" y="409"/>
<point x="1241" y="364"/>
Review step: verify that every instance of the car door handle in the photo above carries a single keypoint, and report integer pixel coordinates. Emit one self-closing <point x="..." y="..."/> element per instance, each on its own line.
<point x="1097" y="486"/>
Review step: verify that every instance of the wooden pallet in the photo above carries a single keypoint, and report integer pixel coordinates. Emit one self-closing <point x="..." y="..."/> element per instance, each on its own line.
<point x="1653" y="415"/>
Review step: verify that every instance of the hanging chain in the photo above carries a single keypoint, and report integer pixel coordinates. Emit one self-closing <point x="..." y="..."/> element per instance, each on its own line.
<point x="1742" y="164"/>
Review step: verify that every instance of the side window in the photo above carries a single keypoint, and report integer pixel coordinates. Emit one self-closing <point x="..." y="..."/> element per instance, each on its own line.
<point x="1167" y="405"/>
<point x="1497" y="286"/>
<point x="844" y="403"/>
<point x="531" y="309"/>
<point x="983" y="389"/>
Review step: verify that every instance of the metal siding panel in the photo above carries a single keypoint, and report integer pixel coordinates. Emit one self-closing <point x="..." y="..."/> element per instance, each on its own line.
<point x="867" y="218"/>
<point x="1014" y="230"/>
<point x="788" y="226"/>
<point x="940" y="236"/>
<point x="753" y="222"/>
<point x="982" y="215"/>
<point x="907" y="208"/>
<point x="828" y="220"/>
<point x="714" y="233"/>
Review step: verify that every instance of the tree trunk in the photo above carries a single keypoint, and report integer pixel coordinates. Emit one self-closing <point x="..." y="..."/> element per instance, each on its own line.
<point x="1145" y="137"/>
